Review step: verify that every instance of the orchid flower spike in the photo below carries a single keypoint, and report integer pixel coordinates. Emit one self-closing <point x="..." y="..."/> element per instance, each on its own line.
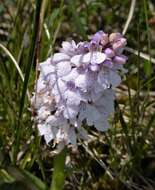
<point x="76" y="87"/>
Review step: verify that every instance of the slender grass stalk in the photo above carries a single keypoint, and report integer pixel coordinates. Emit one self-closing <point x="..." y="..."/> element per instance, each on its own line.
<point x="31" y="61"/>
<point x="15" y="64"/>
<point x="130" y="15"/>
<point x="149" y="66"/>
<point x="13" y="60"/>
<point x="41" y="21"/>
<point x="125" y="128"/>
<point x="148" y="69"/>
<point x="58" y="178"/>
<point x="138" y="75"/>
<point x="140" y="54"/>
<point x="58" y="26"/>
<point x="99" y="161"/>
<point x="148" y="82"/>
<point x="148" y="72"/>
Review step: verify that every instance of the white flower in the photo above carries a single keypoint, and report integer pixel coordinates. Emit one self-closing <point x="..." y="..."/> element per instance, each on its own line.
<point x="75" y="87"/>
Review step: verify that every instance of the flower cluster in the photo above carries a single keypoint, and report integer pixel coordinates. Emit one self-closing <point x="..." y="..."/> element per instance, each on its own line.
<point x="75" y="87"/>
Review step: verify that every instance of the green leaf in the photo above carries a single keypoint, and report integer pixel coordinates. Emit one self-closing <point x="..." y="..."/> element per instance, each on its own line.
<point x="35" y="180"/>
<point x="58" y="178"/>
<point x="6" y="177"/>
<point x="147" y="68"/>
<point x="28" y="178"/>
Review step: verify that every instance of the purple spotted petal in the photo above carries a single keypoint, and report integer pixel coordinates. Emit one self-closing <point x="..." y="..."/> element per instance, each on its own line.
<point x="75" y="87"/>
<point x="71" y="76"/>
<point x="46" y="67"/>
<point x="103" y="80"/>
<point x="60" y="57"/>
<point x="97" y="57"/>
<point x="70" y="112"/>
<point x="59" y="89"/>
<point x="72" y="97"/>
<point x="115" y="79"/>
<point x="63" y="68"/>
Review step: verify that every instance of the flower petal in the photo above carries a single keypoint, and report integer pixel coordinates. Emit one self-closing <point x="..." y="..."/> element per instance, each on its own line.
<point x="87" y="57"/>
<point x="66" y="46"/>
<point x="85" y="81"/>
<point x="48" y="137"/>
<point x="46" y="67"/>
<point x="63" y="68"/>
<point x="105" y="104"/>
<point x="43" y="129"/>
<point x="77" y="60"/>
<point x="72" y="136"/>
<point x="97" y="57"/>
<point x="104" y="80"/>
<point x="60" y="57"/>
<point x="40" y="87"/>
<point x="115" y="79"/>
<point x="71" y="76"/>
<point x="70" y="112"/>
<point x="52" y="120"/>
<point x="102" y="125"/>
<point x="59" y="89"/>
<point x="81" y="82"/>
<point x="72" y="97"/>
<point x="92" y="114"/>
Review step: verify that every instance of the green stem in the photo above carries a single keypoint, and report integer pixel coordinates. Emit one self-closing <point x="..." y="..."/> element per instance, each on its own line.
<point x="58" y="178"/>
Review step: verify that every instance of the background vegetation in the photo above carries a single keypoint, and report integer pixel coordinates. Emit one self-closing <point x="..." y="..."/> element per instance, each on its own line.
<point x="124" y="157"/>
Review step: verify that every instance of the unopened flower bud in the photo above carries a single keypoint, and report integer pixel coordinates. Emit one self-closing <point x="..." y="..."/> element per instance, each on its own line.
<point x="114" y="37"/>
<point x="120" y="59"/>
<point x="119" y="45"/>
<point x="109" y="52"/>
